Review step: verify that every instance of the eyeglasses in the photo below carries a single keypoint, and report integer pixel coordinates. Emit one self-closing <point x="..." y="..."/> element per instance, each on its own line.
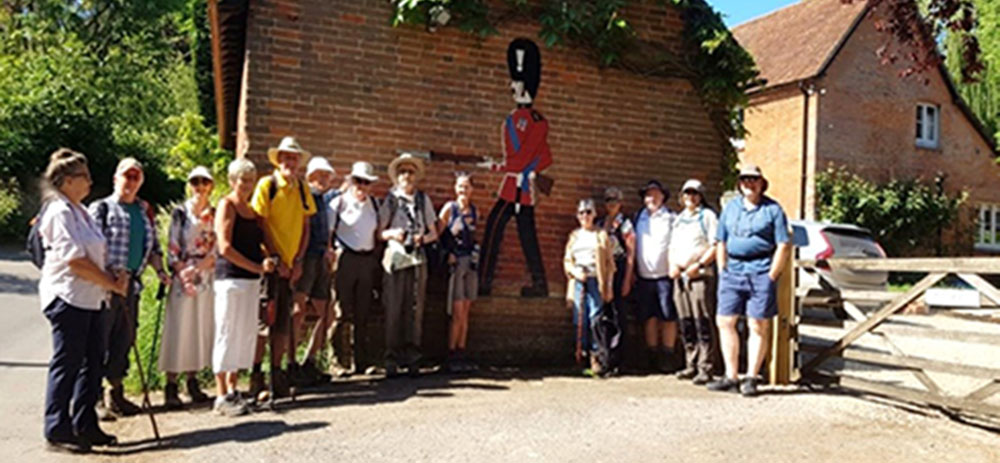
<point x="361" y="181"/>
<point x="199" y="181"/>
<point x="585" y="212"/>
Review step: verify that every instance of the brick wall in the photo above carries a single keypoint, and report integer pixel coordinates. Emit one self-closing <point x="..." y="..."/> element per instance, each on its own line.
<point x="350" y="87"/>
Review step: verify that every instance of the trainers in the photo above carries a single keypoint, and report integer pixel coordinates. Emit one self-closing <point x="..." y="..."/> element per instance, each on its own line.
<point x="171" y="399"/>
<point x="723" y="385"/>
<point x="748" y="388"/>
<point x="195" y="392"/>
<point x="229" y="405"/>
<point x="120" y="405"/>
<point x="687" y="373"/>
<point x="701" y="379"/>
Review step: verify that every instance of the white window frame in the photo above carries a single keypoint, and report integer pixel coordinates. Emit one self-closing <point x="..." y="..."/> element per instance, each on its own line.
<point x="928" y="128"/>
<point x="988" y="237"/>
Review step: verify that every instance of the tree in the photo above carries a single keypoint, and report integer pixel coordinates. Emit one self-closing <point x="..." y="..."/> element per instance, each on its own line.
<point x="983" y="96"/>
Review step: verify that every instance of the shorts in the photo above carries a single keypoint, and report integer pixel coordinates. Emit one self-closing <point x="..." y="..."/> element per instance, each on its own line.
<point x="464" y="281"/>
<point x="315" y="279"/>
<point x="747" y="294"/>
<point x="656" y="299"/>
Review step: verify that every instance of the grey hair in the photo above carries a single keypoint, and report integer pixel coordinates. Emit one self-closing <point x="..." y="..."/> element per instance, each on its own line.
<point x="63" y="162"/>
<point x="586" y="203"/>
<point x="241" y="167"/>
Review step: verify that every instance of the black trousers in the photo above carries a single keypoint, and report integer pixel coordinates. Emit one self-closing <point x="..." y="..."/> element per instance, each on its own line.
<point x="75" y="370"/>
<point x="119" y="326"/>
<point x="496" y="223"/>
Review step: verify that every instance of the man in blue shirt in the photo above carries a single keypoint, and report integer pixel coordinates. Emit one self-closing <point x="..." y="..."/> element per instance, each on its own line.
<point x="753" y="246"/>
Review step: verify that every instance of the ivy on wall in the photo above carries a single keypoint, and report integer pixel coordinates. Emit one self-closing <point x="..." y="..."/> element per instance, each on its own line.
<point x="716" y="64"/>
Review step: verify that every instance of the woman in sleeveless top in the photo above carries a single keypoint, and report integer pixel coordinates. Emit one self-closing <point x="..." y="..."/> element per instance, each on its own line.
<point x="237" y="286"/>
<point x="458" y="219"/>
<point x="189" y="328"/>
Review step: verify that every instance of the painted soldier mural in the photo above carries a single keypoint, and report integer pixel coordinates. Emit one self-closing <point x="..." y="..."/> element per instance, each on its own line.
<point x="523" y="136"/>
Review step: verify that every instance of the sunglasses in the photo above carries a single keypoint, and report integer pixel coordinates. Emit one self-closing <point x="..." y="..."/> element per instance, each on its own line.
<point x="361" y="181"/>
<point x="585" y="212"/>
<point x="198" y="181"/>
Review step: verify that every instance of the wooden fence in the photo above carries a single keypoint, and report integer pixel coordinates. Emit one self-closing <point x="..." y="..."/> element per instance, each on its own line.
<point x="860" y="338"/>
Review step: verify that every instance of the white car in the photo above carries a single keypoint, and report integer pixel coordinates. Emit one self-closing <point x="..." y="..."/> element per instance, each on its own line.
<point x="819" y="241"/>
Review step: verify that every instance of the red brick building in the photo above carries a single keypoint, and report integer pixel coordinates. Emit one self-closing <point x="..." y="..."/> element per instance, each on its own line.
<point x="350" y="87"/>
<point x="829" y="101"/>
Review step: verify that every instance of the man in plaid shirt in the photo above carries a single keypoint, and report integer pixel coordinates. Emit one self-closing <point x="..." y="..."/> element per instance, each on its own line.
<point x="129" y="225"/>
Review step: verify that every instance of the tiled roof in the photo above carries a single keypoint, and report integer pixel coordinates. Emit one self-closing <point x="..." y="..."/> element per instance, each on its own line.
<point x="797" y="42"/>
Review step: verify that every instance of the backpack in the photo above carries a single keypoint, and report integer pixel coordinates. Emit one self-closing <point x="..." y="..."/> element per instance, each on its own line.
<point x="33" y="243"/>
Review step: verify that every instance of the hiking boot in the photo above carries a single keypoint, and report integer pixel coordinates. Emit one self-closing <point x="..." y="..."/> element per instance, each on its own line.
<point x="229" y="405"/>
<point x="72" y="445"/>
<point x="119" y="405"/>
<point x="538" y="289"/>
<point x="724" y="385"/>
<point x="687" y="373"/>
<point x="195" y="392"/>
<point x="99" y="438"/>
<point x="748" y="388"/>
<point x="280" y="387"/>
<point x="171" y="400"/>
<point x="701" y="379"/>
<point x="256" y="385"/>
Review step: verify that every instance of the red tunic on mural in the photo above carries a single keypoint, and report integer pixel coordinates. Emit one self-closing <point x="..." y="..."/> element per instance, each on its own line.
<point x="524" y="135"/>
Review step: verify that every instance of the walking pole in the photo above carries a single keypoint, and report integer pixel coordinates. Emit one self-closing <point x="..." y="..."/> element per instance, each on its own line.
<point x="142" y="377"/>
<point x="161" y="293"/>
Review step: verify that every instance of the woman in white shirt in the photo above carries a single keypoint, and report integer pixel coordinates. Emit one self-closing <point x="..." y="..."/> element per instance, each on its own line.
<point x="590" y="266"/>
<point x="73" y="289"/>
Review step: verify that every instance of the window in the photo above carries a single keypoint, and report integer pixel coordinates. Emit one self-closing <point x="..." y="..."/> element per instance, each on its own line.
<point x="989" y="229"/>
<point x="928" y="125"/>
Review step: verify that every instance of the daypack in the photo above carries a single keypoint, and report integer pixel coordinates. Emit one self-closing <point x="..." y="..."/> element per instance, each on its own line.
<point x="33" y="244"/>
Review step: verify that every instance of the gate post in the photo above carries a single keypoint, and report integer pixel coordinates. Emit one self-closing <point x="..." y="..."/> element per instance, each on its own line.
<point x="781" y="340"/>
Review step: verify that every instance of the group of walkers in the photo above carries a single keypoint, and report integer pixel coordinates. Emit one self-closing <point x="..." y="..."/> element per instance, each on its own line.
<point x="245" y="275"/>
<point x="667" y="259"/>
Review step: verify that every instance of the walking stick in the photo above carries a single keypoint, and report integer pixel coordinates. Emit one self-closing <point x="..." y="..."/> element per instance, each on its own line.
<point x="146" y="403"/>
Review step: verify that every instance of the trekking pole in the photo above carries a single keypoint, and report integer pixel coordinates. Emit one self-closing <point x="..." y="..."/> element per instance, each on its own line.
<point x="161" y="293"/>
<point x="146" y="403"/>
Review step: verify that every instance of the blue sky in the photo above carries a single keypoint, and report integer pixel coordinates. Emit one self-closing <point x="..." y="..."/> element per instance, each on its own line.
<point x="738" y="11"/>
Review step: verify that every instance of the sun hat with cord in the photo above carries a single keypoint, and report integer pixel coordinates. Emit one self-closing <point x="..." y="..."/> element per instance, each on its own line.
<point x="288" y="145"/>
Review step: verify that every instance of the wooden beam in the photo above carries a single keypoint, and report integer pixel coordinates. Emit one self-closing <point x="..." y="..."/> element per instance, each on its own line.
<point x="981" y="265"/>
<point x="984" y="287"/>
<point x="911" y="395"/>
<point x="985" y="392"/>
<point x="876" y="319"/>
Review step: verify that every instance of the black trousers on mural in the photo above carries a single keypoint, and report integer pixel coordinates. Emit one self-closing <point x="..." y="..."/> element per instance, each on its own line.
<point x="492" y="240"/>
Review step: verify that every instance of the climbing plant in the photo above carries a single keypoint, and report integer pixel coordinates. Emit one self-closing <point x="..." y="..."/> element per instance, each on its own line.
<point x="720" y="69"/>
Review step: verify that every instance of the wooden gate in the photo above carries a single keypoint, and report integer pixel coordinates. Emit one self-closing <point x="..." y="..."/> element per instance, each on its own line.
<point x="872" y="341"/>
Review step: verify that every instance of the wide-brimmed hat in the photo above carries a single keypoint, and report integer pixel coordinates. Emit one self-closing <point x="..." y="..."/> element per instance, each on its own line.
<point x="654" y="184"/>
<point x="364" y="170"/>
<point x="288" y="145"/>
<point x="406" y="158"/>
<point x="319" y="164"/>
<point x="751" y="170"/>
<point x="200" y="172"/>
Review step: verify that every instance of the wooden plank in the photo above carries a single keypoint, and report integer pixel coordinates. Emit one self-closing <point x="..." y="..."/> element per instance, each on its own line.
<point x="782" y="351"/>
<point x="985" y="392"/>
<point x="981" y="265"/>
<point x="877" y="318"/>
<point x="982" y="286"/>
<point x="915" y="396"/>
<point x="854" y="312"/>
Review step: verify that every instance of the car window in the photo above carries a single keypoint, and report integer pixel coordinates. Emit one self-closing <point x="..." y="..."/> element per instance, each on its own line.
<point x="799" y="236"/>
<point x="852" y="243"/>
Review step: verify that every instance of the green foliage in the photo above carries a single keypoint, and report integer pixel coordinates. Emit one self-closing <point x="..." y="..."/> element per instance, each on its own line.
<point x="719" y="67"/>
<point x="905" y="216"/>
<point x="983" y="97"/>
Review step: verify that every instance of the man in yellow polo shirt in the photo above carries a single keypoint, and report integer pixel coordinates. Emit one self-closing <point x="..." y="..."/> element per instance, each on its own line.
<point x="284" y="203"/>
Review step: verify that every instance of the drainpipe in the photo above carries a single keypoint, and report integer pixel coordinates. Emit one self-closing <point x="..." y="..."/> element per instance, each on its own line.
<point x="807" y="88"/>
